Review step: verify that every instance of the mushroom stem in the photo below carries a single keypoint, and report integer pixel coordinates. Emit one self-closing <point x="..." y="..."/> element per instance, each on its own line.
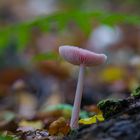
<point x="78" y="98"/>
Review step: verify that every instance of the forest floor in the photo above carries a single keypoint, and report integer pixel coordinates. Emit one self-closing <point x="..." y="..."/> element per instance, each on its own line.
<point x="122" y="122"/>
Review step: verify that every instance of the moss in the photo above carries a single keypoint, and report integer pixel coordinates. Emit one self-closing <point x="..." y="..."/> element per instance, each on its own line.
<point x="136" y="92"/>
<point x="104" y="103"/>
<point x="111" y="107"/>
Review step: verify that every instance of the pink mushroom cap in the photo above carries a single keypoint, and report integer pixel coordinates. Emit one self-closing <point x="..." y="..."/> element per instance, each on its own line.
<point x="78" y="56"/>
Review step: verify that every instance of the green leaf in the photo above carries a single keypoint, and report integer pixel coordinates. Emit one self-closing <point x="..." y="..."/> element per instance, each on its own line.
<point x="8" y="116"/>
<point x="112" y="19"/>
<point x="65" y="107"/>
<point x="60" y="21"/>
<point x="7" y="138"/>
<point x="4" y="39"/>
<point x="46" y="56"/>
<point x="22" y="35"/>
<point x="80" y="19"/>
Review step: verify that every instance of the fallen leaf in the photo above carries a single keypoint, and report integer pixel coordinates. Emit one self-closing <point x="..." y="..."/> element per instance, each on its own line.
<point x="112" y="73"/>
<point x="59" y="127"/>
<point x="30" y="125"/>
<point x="91" y="120"/>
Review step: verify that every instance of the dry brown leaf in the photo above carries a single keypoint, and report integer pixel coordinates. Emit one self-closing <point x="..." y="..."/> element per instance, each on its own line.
<point x="58" y="127"/>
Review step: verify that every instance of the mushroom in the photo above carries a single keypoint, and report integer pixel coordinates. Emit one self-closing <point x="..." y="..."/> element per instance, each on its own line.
<point x="81" y="57"/>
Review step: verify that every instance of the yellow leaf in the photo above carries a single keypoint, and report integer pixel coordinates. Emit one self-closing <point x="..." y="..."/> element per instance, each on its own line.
<point x="100" y="117"/>
<point x="111" y="74"/>
<point x="33" y="124"/>
<point x="92" y="120"/>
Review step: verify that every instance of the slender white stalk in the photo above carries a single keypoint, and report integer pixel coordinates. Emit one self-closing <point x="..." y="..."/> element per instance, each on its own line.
<point x="78" y="97"/>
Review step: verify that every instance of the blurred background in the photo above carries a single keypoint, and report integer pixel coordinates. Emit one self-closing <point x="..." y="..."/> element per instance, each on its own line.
<point x="32" y="74"/>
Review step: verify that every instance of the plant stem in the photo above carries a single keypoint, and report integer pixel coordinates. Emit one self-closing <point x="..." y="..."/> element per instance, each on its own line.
<point x="78" y="98"/>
